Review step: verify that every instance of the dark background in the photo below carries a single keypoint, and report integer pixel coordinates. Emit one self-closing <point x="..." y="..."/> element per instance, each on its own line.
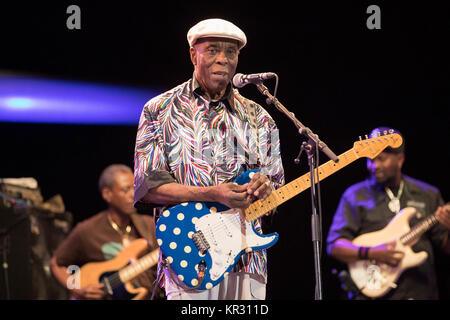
<point x="340" y="79"/>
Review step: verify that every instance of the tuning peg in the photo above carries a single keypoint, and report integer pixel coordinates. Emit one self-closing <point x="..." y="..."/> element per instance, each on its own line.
<point x="385" y="132"/>
<point x="367" y="136"/>
<point x="360" y="138"/>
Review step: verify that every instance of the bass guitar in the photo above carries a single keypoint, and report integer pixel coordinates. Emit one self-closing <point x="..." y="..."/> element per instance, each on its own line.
<point x="376" y="279"/>
<point x="203" y="240"/>
<point x="117" y="273"/>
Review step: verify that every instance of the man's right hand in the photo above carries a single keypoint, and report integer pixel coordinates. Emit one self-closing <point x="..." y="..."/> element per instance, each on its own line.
<point x="386" y="253"/>
<point x="233" y="195"/>
<point x="92" y="291"/>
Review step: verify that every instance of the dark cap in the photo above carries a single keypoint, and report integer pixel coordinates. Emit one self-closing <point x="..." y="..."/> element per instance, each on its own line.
<point x="383" y="130"/>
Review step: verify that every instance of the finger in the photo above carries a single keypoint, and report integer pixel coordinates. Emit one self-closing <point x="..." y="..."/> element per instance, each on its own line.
<point x="441" y="214"/>
<point x="238" y="196"/>
<point x="257" y="184"/>
<point x="255" y="177"/>
<point x="239" y="188"/>
<point x="94" y="291"/>
<point x="253" y="185"/>
<point x="394" y="262"/>
<point x="443" y="218"/>
<point x="391" y="245"/>
<point x="398" y="254"/>
<point x="94" y="296"/>
<point x="263" y="191"/>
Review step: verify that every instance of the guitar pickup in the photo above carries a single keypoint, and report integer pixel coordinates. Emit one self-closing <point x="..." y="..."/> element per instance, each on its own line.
<point x="200" y="242"/>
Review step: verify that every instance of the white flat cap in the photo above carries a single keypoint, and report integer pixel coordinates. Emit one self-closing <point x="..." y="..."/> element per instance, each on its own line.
<point x="216" y="28"/>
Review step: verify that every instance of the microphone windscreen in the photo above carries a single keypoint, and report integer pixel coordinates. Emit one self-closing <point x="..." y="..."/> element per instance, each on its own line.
<point x="237" y="82"/>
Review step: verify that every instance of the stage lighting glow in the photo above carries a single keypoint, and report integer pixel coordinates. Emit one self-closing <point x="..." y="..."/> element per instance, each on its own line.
<point x="41" y="100"/>
<point x="18" y="103"/>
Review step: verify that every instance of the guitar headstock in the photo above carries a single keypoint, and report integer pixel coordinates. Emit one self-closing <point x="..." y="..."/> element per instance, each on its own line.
<point x="371" y="147"/>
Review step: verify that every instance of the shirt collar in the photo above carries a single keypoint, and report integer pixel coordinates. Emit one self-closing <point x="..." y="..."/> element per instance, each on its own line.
<point x="228" y="98"/>
<point x="380" y="194"/>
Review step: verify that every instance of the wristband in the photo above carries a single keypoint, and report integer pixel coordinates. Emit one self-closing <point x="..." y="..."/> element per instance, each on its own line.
<point x="359" y="253"/>
<point x="366" y="253"/>
<point x="363" y="253"/>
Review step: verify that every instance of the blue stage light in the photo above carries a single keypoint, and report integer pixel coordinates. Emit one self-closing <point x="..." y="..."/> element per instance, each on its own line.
<point x="41" y="100"/>
<point x="18" y="103"/>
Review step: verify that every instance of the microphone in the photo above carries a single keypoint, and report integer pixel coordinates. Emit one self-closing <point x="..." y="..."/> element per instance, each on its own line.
<point x="240" y="80"/>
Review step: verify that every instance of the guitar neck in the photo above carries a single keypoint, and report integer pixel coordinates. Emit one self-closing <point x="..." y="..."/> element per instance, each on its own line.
<point x="133" y="270"/>
<point x="419" y="229"/>
<point x="297" y="186"/>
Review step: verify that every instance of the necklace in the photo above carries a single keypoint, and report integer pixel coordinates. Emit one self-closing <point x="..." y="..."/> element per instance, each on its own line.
<point x="394" y="203"/>
<point x="125" y="237"/>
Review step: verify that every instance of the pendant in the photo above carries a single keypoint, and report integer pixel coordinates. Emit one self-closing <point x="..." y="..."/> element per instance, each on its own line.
<point x="125" y="241"/>
<point x="394" y="205"/>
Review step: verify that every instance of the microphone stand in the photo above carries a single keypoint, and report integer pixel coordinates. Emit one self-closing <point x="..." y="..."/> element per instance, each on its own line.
<point x="312" y="148"/>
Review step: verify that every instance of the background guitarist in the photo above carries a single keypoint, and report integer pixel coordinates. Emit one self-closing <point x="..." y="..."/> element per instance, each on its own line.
<point x="105" y="234"/>
<point x="370" y="205"/>
<point x="197" y="136"/>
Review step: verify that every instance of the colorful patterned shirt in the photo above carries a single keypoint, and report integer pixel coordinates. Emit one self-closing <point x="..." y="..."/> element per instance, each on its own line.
<point x="183" y="137"/>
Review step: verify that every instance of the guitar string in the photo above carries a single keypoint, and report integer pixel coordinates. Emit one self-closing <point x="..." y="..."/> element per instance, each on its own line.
<point x="222" y="226"/>
<point x="114" y="279"/>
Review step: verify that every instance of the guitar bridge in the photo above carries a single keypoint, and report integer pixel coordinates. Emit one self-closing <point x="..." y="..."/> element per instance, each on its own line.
<point x="200" y="242"/>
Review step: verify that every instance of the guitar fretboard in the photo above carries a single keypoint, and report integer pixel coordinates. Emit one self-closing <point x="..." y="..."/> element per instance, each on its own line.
<point x="133" y="270"/>
<point x="295" y="187"/>
<point x="418" y="230"/>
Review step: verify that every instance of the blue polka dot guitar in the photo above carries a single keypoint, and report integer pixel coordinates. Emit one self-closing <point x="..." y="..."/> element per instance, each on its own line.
<point x="203" y="240"/>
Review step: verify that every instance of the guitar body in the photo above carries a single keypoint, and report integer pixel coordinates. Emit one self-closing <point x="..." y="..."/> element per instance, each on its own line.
<point x="97" y="272"/>
<point x="208" y="234"/>
<point x="376" y="279"/>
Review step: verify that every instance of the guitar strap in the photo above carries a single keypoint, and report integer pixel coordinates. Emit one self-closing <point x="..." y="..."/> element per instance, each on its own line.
<point x="250" y="111"/>
<point x="142" y="227"/>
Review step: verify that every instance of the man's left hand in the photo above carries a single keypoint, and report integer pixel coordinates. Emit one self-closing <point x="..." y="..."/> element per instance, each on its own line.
<point x="443" y="216"/>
